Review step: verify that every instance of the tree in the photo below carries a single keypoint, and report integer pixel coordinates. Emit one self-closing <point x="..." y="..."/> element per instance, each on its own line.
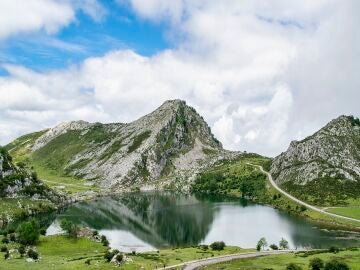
<point x="293" y="266"/>
<point x="218" y="245"/>
<point x="71" y="229"/>
<point x="316" y="263"/>
<point x="283" y="244"/>
<point x="28" y="232"/>
<point x="261" y="244"/>
<point x="336" y="265"/>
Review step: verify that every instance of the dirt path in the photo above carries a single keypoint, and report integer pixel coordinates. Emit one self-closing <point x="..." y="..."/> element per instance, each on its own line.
<point x="272" y="182"/>
<point x="214" y="260"/>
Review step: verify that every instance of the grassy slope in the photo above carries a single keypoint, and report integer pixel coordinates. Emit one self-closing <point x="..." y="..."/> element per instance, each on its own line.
<point x="279" y="262"/>
<point x="239" y="167"/>
<point x="61" y="252"/>
<point x="49" y="162"/>
<point x="353" y="212"/>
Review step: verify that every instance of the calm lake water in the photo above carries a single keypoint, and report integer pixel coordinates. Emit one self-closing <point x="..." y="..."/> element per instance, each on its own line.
<point x="149" y="221"/>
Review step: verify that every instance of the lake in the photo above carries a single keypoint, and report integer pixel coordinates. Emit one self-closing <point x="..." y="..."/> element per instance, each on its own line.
<point x="149" y="221"/>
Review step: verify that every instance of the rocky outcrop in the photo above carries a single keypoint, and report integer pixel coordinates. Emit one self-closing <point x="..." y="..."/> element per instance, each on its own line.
<point x="17" y="181"/>
<point x="332" y="152"/>
<point x="164" y="148"/>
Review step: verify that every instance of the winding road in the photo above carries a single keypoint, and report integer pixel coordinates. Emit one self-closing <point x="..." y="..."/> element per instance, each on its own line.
<point x="272" y="182"/>
<point x="214" y="260"/>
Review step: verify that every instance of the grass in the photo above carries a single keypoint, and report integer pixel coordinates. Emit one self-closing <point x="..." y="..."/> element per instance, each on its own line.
<point x="18" y="208"/>
<point x="353" y="212"/>
<point x="138" y="141"/>
<point x="54" y="180"/>
<point x="279" y="262"/>
<point x="61" y="252"/>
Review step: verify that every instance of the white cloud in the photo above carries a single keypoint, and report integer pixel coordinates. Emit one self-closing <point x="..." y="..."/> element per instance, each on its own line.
<point x="19" y="17"/>
<point x="260" y="73"/>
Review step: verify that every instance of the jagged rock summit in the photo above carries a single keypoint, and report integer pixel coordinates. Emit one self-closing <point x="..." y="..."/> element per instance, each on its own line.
<point x="164" y="148"/>
<point x="328" y="160"/>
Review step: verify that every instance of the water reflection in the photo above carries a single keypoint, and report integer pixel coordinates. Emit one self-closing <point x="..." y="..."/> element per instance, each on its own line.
<point x="147" y="221"/>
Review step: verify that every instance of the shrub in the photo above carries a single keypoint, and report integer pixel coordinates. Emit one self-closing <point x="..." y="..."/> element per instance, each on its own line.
<point x="110" y="254"/>
<point x="204" y="247"/>
<point x="95" y="233"/>
<point x="104" y="241"/>
<point x="5" y="240"/>
<point x="316" y="263"/>
<point x="334" y="249"/>
<point x="4" y="249"/>
<point x="43" y="231"/>
<point x="12" y="237"/>
<point x="88" y="261"/>
<point x="336" y="265"/>
<point x="119" y="258"/>
<point x="33" y="254"/>
<point x="28" y="232"/>
<point x="274" y="247"/>
<point x="293" y="266"/>
<point x="7" y="255"/>
<point x="21" y="250"/>
<point x="220" y="245"/>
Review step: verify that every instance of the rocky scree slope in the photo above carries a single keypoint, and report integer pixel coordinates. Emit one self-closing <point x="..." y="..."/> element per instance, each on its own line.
<point x="326" y="164"/>
<point x="165" y="148"/>
<point x="17" y="181"/>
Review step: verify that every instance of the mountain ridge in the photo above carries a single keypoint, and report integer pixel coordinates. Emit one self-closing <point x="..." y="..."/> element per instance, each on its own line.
<point x="171" y="143"/>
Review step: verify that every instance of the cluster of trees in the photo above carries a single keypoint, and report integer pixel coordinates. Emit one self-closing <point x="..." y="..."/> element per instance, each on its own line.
<point x="262" y="244"/>
<point x="250" y="182"/>
<point x="26" y="235"/>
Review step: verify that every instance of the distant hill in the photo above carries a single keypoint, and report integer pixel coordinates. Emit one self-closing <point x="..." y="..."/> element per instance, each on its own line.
<point x="325" y="167"/>
<point x="165" y="148"/>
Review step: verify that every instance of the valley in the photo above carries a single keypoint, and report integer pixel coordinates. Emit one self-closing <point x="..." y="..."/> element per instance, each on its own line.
<point x="161" y="188"/>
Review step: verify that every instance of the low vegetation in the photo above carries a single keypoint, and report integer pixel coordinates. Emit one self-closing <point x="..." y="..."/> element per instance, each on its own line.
<point x="343" y="260"/>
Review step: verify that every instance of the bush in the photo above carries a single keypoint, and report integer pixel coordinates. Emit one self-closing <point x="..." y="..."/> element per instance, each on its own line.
<point x="336" y="265"/>
<point x="7" y="255"/>
<point x="334" y="249"/>
<point x="316" y="263"/>
<point x="293" y="266"/>
<point x="104" y="241"/>
<point x="110" y="254"/>
<point x="204" y="247"/>
<point x="43" y="231"/>
<point x="28" y="232"/>
<point x="4" y="249"/>
<point x="119" y="258"/>
<point x="33" y="254"/>
<point x="5" y="240"/>
<point x="88" y="261"/>
<point x="12" y="237"/>
<point x="218" y="245"/>
<point x="21" y="250"/>
<point x="274" y="247"/>
<point x="95" y="233"/>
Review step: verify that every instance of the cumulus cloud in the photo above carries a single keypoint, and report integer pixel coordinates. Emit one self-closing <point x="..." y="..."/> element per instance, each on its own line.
<point x="19" y="17"/>
<point x="261" y="74"/>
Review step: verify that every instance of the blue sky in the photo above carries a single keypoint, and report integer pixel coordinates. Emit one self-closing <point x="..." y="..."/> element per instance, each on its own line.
<point x="260" y="74"/>
<point x="119" y="28"/>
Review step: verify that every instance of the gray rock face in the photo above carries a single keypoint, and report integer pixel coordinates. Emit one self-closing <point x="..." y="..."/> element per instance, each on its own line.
<point x="333" y="151"/>
<point x="164" y="148"/>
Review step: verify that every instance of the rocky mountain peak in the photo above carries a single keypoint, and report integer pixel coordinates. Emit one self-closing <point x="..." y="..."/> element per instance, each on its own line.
<point x="331" y="152"/>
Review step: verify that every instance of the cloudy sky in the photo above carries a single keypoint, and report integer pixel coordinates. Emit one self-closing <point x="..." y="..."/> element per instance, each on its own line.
<point x="262" y="73"/>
